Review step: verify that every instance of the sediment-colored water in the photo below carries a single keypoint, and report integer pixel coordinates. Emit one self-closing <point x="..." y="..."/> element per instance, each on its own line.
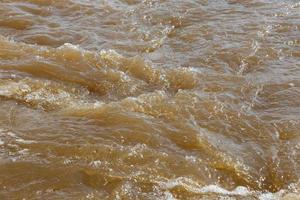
<point x="149" y="99"/>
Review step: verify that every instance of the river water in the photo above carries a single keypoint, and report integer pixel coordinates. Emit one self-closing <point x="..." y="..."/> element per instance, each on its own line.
<point x="150" y="99"/>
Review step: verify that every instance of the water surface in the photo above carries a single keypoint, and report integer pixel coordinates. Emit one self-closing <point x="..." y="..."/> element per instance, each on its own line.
<point x="149" y="99"/>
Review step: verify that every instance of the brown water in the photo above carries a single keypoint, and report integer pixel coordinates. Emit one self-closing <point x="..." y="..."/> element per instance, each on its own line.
<point x="149" y="99"/>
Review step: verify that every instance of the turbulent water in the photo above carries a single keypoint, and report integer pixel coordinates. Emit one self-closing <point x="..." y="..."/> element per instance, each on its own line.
<point x="150" y="99"/>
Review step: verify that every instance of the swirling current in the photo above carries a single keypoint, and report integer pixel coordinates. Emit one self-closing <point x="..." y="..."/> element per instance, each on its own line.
<point x="150" y="99"/>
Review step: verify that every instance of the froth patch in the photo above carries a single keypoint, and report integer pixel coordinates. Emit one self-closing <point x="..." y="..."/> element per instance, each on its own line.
<point x="8" y="136"/>
<point x="241" y="191"/>
<point x="195" y="187"/>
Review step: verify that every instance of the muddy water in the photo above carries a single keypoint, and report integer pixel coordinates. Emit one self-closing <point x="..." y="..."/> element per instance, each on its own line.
<point x="152" y="99"/>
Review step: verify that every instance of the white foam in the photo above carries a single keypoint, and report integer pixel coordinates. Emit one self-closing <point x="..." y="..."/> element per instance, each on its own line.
<point x="98" y="104"/>
<point x="70" y="46"/>
<point x="191" y="158"/>
<point x="23" y="151"/>
<point x="1" y="142"/>
<point x="137" y="149"/>
<point x="96" y="163"/>
<point x="168" y="196"/>
<point x="109" y="54"/>
<point x="194" y="187"/>
<point x="11" y="134"/>
<point x="20" y="140"/>
<point x="67" y="161"/>
<point x="241" y="191"/>
<point x="267" y="196"/>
